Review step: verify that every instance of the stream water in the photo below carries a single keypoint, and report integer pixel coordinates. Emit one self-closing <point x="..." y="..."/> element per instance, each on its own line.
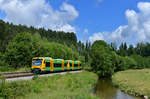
<point x="106" y="90"/>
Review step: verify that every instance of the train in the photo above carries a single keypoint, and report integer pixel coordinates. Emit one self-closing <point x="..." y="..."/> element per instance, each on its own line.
<point x="48" y="64"/>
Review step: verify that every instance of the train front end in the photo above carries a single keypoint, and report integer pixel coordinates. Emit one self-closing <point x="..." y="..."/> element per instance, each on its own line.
<point x="37" y="63"/>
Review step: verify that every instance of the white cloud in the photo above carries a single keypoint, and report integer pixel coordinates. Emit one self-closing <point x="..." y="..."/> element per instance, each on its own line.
<point x="67" y="28"/>
<point x="85" y="31"/>
<point x="115" y="36"/>
<point x="99" y="1"/>
<point x="137" y="29"/>
<point x="39" y="13"/>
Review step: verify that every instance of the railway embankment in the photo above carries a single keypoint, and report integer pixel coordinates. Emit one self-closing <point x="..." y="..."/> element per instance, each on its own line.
<point x="70" y="86"/>
<point x="134" y="82"/>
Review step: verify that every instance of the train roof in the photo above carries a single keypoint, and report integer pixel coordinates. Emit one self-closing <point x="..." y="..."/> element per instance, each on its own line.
<point x="37" y="57"/>
<point x="58" y="59"/>
<point x="47" y="59"/>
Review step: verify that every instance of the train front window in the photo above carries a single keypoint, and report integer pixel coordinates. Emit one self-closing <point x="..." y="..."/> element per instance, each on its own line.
<point x="37" y="62"/>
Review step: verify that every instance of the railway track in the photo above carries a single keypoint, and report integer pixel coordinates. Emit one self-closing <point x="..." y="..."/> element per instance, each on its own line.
<point x="16" y="74"/>
<point x="26" y="74"/>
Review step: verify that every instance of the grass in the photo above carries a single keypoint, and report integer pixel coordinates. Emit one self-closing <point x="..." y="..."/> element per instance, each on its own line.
<point x="69" y="86"/>
<point x="135" y="82"/>
<point x="6" y="68"/>
<point x="86" y="67"/>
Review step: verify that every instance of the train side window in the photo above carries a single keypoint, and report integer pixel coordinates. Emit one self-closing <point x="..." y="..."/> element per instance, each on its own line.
<point x="47" y="64"/>
<point x="57" y="65"/>
<point x="75" y="65"/>
<point x="70" y="64"/>
<point x="65" y="64"/>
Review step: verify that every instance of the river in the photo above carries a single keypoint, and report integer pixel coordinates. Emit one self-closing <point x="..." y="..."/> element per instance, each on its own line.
<point x="106" y="90"/>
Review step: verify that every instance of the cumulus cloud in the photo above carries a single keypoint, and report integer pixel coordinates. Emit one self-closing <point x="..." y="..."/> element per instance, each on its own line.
<point x="40" y="13"/>
<point x="137" y="29"/>
<point x="98" y="3"/>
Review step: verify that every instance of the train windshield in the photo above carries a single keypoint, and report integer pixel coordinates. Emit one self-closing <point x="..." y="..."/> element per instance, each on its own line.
<point x="36" y="62"/>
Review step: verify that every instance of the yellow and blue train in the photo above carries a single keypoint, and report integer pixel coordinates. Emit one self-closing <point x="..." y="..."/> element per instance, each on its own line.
<point x="48" y="64"/>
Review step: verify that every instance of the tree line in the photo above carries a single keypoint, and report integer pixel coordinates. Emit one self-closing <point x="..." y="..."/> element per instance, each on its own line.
<point x="24" y="46"/>
<point x="19" y="43"/>
<point x="107" y="59"/>
<point x="8" y="31"/>
<point x="142" y="49"/>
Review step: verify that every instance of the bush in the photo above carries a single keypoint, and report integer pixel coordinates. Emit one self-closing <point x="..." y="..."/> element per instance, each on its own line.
<point x="118" y="62"/>
<point x="147" y="62"/>
<point x="2" y="62"/>
<point x="123" y="63"/>
<point x="139" y="60"/>
<point x="130" y="63"/>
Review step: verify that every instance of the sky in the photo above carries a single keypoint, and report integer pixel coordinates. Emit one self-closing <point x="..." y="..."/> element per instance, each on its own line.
<point x="109" y="20"/>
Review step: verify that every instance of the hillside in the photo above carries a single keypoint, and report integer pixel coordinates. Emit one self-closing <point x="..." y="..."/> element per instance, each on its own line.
<point x="8" y="31"/>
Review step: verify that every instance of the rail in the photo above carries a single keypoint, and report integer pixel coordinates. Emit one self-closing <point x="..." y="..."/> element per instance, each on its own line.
<point x="16" y="74"/>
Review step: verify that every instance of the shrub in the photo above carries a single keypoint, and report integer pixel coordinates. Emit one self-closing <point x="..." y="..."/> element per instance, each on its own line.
<point x="139" y="60"/>
<point x="130" y="63"/>
<point x="147" y="62"/>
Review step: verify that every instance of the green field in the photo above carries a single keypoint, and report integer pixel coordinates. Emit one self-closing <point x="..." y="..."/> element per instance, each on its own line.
<point x="69" y="86"/>
<point x="135" y="82"/>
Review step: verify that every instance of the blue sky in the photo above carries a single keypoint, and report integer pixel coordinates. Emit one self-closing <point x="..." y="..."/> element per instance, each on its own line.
<point x="109" y="20"/>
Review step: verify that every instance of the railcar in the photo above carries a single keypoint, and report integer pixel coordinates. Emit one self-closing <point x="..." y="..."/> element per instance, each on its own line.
<point x="48" y="64"/>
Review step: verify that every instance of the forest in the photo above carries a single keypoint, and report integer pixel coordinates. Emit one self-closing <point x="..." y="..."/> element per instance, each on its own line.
<point x="20" y="43"/>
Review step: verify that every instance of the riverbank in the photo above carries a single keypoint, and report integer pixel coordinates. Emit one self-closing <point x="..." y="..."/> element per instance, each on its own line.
<point x="69" y="86"/>
<point x="135" y="82"/>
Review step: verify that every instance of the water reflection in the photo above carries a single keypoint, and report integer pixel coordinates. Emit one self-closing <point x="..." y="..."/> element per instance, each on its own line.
<point x="106" y="90"/>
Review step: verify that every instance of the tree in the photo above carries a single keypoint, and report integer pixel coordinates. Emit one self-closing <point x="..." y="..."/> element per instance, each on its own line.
<point x="131" y="50"/>
<point x="101" y="55"/>
<point x="87" y="51"/>
<point x="38" y="48"/>
<point x="8" y="31"/>
<point x="19" y="51"/>
<point x="140" y="48"/>
<point x="2" y="36"/>
<point x="113" y="46"/>
<point x="123" y="49"/>
<point x="130" y="63"/>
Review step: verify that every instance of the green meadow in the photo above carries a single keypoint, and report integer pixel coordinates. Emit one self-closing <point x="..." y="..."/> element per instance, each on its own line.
<point x="135" y="82"/>
<point x="69" y="86"/>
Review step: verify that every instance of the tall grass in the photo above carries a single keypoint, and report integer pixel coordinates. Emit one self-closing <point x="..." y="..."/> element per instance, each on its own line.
<point x="69" y="86"/>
